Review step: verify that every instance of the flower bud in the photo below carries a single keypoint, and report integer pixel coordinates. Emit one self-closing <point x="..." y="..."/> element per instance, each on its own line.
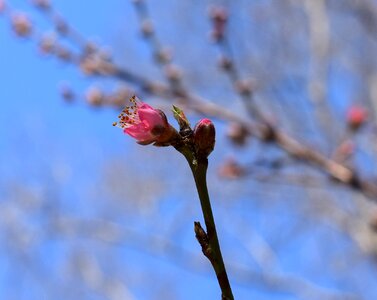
<point x="94" y="96"/>
<point x="204" y="137"/>
<point x="2" y="6"/>
<point x="21" y="25"/>
<point x="147" y="28"/>
<point x="231" y="169"/>
<point x="67" y="92"/>
<point x="356" y="117"/>
<point x="237" y="133"/>
<point x="181" y="118"/>
<point x="47" y="43"/>
<point x="219" y="17"/>
<point x="146" y="124"/>
<point x="42" y="4"/>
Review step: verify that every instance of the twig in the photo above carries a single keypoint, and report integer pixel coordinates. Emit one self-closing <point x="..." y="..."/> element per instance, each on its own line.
<point x="209" y="240"/>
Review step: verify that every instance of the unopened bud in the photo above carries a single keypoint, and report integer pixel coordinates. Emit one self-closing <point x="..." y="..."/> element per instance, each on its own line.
<point x="94" y="96"/>
<point x="42" y="4"/>
<point x="63" y="54"/>
<point x="219" y="17"/>
<point x="21" y="25"/>
<point x="237" y="134"/>
<point x="90" y="48"/>
<point x="172" y="72"/>
<point x="225" y="63"/>
<point x="356" y="117"/>
<point x="147" y="28"/>
<point x="61" y="26"/>
<point x="47" y="43"/>
<point x="231" y="169"/>
<point x="164" y="55"/>
<point x="181" y="118"/>
<point x="2" y="6"/>
<point x="67" y="92"/>
<point x="204" y="137"/>
<point x="244" y="87"/>
<point x="218" y="14"/>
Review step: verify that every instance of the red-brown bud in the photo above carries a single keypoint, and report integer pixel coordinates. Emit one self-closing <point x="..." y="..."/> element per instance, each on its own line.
<point x="204" y="137"/>
<point x="94" y="96"/>
<point x="356" y="117"/>
<point x="219" y="17"/>
<point x="47" y="43"/>
<point x="231" y="169"/>
<point x="237" y="134"/>
<point x="21" y="25"/>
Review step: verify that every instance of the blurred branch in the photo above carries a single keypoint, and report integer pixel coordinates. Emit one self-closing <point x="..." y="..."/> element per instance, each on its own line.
<point x="110" y="232"/>
<point x="266" y="132"/>
<point x="319" y="37"/>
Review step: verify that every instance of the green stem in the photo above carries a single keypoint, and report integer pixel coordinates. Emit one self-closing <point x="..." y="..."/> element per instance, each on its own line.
<point x="199" y="170"/>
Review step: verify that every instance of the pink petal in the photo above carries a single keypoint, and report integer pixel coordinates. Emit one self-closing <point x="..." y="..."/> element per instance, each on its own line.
<point x="151" y="116"/>
<point x="139" y="132"/>
<point x="145" y="106"/>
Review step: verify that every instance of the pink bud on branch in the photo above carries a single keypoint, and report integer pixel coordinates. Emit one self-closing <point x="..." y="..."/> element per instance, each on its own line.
<point x="356" y="116"/>
<point x="204" y="137"/>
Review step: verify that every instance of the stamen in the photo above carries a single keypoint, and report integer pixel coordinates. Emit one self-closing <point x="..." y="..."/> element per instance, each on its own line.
<point x="129" y="115"/>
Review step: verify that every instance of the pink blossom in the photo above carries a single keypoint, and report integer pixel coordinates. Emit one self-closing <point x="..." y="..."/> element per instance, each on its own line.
<point x="144" y="123"/>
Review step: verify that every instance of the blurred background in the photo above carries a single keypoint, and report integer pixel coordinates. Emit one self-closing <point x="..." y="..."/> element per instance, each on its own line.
<point x="86" y="213"/>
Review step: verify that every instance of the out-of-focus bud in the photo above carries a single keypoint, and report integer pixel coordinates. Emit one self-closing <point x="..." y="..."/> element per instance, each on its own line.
<point x="356" y="117"/>
<point x="90" y="48"/>
<point x="67" y="92"/>
<point x="21" y="25"/>
<point x="42" y="4"/>
<point x="61" y="26"/>
<point x="204" y="137"/>
<point x="147" y="28"/>
<point x="47" y="43"/>
<point x="218" y="14"/>
<point x="94" y="96"/>
<point x="3" y="6"/>
<point x="164" y="55"/>
<point x="244" y="87"/>
<point x="155" y="88"/>
<point x="231" y="169"/>
<point x="219" y="17"/>
<point x="172" y="72"/>
<point x="63" y="54"/>
<point x="120" y="96"/>
<point x="237" y="134"/>
<point x="225" y="63"/>
<point x="89" y="65"/>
